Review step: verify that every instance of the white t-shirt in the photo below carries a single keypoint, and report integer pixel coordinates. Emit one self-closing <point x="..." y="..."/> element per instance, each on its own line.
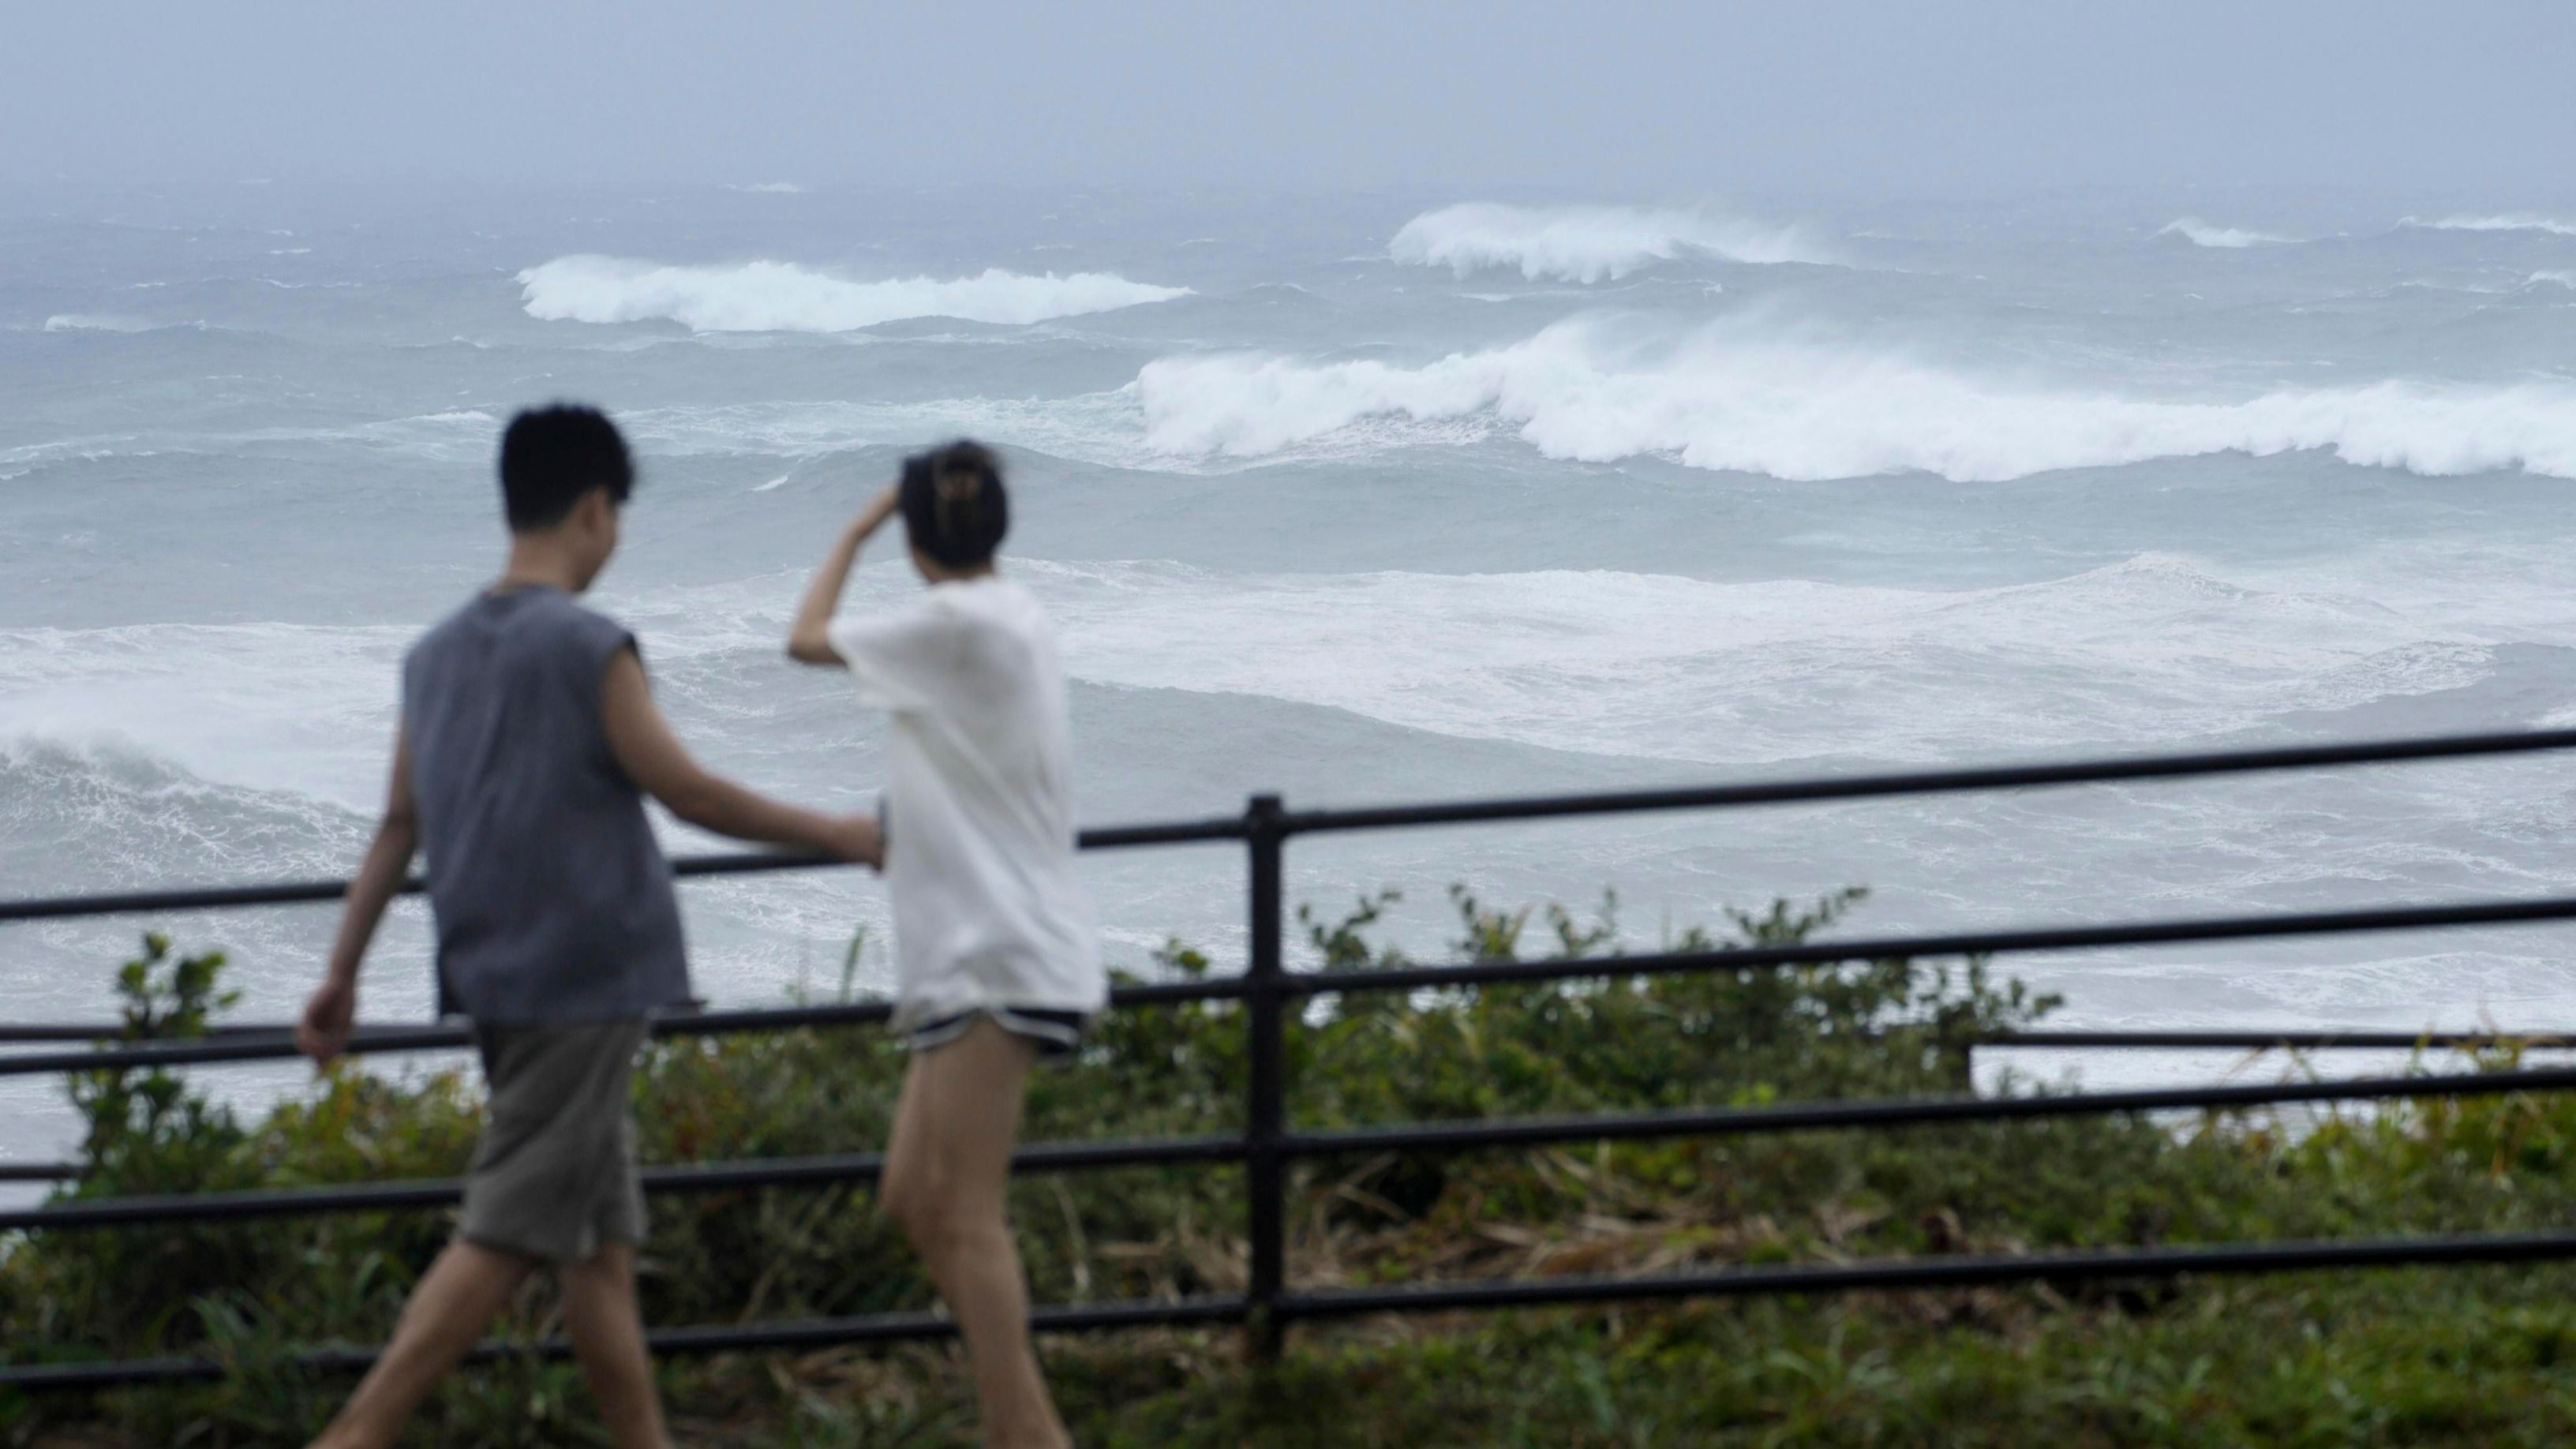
<point x="988" y="908"/>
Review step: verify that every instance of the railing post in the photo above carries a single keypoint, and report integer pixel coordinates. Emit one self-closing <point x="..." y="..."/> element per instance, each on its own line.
<point x="1266" y="1115"/>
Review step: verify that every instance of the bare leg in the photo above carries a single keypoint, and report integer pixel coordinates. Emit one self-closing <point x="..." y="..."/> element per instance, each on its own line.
<point x="455" y="1301"/>
<point x="945" y="1174"/>
<point x="608" y="1336"/>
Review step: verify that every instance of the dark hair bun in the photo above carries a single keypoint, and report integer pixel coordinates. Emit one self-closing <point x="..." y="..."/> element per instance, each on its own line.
<point x="954" y="506"/>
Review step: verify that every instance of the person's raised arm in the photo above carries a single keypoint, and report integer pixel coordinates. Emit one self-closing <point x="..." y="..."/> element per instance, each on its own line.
<point x="659" y="765"/>
<point x="332" y="1012"/>
<point x="809" y="639"/>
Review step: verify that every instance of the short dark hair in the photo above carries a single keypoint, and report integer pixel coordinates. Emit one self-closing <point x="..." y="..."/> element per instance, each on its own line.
<point x="551" y="456"/>
<point x="954" y="507"/>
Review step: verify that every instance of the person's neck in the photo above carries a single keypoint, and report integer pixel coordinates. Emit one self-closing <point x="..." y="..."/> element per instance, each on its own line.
<point x="539" y="562"/>
<point x="964" y="576"/>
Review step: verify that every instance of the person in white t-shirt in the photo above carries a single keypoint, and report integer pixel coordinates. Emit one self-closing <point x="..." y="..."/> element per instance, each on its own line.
<point x="997" y="953"/>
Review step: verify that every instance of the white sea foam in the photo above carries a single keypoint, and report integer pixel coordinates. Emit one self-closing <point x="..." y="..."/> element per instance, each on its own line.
<point x="2152" y="648"/>
<point x="1620" y="663"/>
<point x="1588" y="243"/>
<point x="2513" y="221"/>
<point x="771" y="188"/>
<point x="92" y="322"/>
<point x="1102" y="427"/>
<point x="2555" y="278"/>
<point x="1597" y="389"/>
<point x="101" y="813"/>
<point x="277" y="707"/>
<point x="784" y="297"/>
<point x="2202" y="234"/>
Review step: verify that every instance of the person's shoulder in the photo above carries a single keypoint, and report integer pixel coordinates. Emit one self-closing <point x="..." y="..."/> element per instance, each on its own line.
<point x="557" y="613"/>
<point x="452" y="625"/>
<point x="992" y="602"/>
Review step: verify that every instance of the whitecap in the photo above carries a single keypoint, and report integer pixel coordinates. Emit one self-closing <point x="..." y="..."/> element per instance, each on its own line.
<point x="96" y="322"/>
<point x="2202" y="234"/>
<point x="1727" y="398"/>
<point x="2513" y="221"/>
<point x="284" y="707"/>
<point x="1589" y="243"/>
<point x="766" y="296"/>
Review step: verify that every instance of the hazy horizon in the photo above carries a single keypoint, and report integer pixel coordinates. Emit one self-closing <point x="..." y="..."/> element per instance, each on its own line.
<point x="1643" y="101"/>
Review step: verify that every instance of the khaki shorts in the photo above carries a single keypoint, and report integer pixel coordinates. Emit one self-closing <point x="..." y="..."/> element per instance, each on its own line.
<point x="554" y="1177"/>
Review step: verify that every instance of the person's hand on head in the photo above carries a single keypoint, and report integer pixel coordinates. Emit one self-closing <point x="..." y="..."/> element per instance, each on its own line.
<point x="880" y="508"/>
<point x="329" y="1017"/>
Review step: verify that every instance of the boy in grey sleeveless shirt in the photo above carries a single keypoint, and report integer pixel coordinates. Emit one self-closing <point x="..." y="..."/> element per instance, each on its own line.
<point x="529" y="738"/>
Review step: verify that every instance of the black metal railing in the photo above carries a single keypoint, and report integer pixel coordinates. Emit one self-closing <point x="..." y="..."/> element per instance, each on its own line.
<point x="1270" y="994"/>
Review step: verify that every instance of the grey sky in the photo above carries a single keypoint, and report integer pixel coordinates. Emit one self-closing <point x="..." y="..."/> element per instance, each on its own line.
<point x="1601" y="97"/>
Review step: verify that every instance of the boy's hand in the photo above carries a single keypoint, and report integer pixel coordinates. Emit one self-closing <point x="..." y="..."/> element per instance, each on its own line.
<point x="855" y="838"/>
<point x="328" y="1018"/>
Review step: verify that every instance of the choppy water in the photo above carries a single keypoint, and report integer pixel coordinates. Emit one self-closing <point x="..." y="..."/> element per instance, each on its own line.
<point x="1357" y="498"/>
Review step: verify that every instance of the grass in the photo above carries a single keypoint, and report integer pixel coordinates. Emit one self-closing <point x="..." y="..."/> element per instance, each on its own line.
<point x="2417" y="1356"/>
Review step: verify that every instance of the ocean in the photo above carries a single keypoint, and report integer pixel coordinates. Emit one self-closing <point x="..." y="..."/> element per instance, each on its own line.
<point x="1358" y="499"/>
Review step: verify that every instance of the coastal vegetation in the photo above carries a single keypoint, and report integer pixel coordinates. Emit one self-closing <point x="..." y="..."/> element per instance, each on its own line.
<point x="2483" y="1356"/>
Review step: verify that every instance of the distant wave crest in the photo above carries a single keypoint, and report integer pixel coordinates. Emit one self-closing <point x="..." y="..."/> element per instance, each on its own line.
<point x="2511" y="221"/>
<point x="784" y="297"/>
<point x="2202" y="234"/>
<point x="96" y="322"/>
<point x="1587" y="243"/>
<point x="1591" y="390"/>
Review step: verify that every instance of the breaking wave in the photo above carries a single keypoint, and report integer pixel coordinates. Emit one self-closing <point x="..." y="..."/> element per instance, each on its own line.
<point x="2202" y="234"/>
<point x="784" y="297"/>
<point x="1587" y="243"/>
<point x="2514" y="221"/>
<point x="1588" y="390"/>
<point x="99" y="322"/>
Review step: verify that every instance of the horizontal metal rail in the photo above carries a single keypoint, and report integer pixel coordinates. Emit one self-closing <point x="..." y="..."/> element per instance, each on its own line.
<point x="1959" y="943"/>
<point x="2069" y="1266"/>
<point x="2352" y="1039"/>
<point x="1308" y="822"/>
<point x="1411" y="978"/>
<point x="2283" y="1040"/>
<point x="277" y="1042"/>
<point x="39" y="1171"/>
<point x="1910" y="1112"/>
<point x="1964" y="1271"/>
<point x="2305" y="1039"/>
<point x="1929" y="782"/>
<point x="695" y="1177"/>
<point x="1408" y="1137"/>
<point x="754" y="862"/>
<point x="1223" y="988"/>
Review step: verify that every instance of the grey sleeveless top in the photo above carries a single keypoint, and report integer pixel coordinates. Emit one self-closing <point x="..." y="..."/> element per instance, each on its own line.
<point x="553" y="901"/>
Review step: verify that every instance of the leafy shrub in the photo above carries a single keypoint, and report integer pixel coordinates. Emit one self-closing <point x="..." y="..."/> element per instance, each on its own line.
<point x="2111" y="1365"/>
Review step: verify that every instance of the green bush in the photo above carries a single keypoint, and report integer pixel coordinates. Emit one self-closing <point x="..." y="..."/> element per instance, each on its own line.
<point x="2460" y="1356"/>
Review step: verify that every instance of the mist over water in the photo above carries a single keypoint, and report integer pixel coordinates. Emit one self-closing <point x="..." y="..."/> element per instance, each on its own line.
<point x="1385" y="497"/>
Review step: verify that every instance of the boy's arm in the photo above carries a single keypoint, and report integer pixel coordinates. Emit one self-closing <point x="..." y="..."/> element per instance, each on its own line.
<point x="809" y="639"/>
<point x="656" y="761"/>
<point x="330" y="1014"/>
